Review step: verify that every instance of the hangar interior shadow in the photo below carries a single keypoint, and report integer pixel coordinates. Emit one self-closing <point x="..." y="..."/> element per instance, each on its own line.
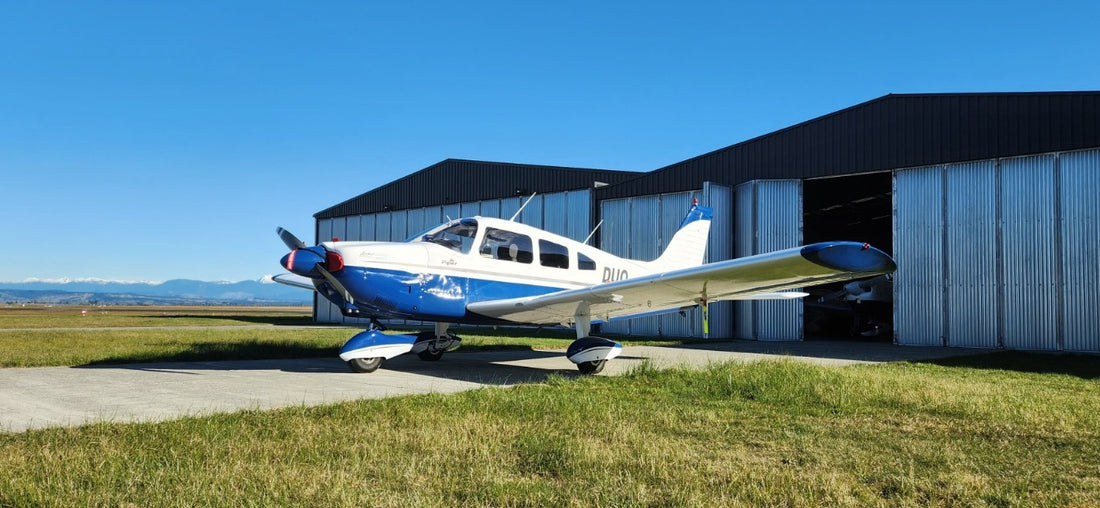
<point x="855" y="208"/>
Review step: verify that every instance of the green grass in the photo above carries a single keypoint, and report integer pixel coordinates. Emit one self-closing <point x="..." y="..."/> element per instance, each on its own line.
<point x="989" y="430"/>
<point x="69" y="316"/>
<point x="58" y="336"/>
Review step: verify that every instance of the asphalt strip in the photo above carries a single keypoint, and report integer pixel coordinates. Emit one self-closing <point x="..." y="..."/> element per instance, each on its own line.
<point x="35" y="398"/>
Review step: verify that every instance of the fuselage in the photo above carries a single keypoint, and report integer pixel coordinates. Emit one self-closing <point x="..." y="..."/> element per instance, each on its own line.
<point x="434" y="274"/>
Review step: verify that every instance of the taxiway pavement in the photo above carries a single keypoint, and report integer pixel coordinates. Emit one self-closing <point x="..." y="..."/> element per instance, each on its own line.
<point x="33" y="398"/>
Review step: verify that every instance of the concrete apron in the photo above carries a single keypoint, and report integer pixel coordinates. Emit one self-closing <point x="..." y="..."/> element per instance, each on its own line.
<point x="34" y="398"/>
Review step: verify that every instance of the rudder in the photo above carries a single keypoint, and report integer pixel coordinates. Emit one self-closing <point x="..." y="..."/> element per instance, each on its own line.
<point x="688" y="246"/>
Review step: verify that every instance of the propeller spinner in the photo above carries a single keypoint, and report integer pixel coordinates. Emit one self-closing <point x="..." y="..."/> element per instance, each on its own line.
<point x="313" y="262"/>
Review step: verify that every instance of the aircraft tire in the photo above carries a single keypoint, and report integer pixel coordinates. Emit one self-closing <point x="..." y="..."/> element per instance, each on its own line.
<point x="427" y="355"/>
<point x="590" y="368"/>
<point x="364" y="365"/>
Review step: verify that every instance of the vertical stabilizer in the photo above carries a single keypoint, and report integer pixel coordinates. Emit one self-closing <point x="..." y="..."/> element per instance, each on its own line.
<point x="689" y="245"/>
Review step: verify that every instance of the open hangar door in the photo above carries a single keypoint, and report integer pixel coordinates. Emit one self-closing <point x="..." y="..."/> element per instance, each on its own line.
<point x="856" y="208"/>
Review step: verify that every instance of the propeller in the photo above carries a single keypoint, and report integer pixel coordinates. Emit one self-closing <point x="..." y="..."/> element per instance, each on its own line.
<point x="308" y="261"/>
<point x="292" y="242"/>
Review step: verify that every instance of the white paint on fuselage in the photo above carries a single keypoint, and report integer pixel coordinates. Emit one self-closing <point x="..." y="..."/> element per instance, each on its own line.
<point x="419" y="256"/>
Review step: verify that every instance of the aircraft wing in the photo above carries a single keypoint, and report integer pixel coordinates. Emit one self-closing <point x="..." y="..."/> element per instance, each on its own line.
<point x="297" y="281"/>
<point x="763" y="276"/>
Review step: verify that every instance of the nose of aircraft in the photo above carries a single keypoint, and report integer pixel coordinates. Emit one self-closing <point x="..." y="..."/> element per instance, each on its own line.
<point x="303" y="261"/>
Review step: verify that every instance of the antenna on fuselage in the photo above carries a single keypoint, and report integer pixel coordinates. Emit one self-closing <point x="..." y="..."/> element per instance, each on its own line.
<point x="513" y="219"/>
<point x="597" y="228"/>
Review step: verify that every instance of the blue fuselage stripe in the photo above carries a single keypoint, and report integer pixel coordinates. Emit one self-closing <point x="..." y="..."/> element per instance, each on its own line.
<point x="424" y="296"/>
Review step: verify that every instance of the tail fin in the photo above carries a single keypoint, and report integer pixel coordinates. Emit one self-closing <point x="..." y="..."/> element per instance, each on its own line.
<point x="689" y="245"/>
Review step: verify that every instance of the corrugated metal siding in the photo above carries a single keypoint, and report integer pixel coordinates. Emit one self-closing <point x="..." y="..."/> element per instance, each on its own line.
<point x="1080" y="229"/>
<point x="366" y="227"/>
<point x="744" y="244"/>
<point x="645" y="213"/>
<point x="556" y="216"/>
<point x="352" y="228"/>
<point x="971" y="221"/>
<point x="615" y="239"/>
<point x="1028" y="230"/>
<point x="891" y="132"/>
<point x="918" y="251"/>
<point x="720" y="247"/>
<point x="469" y="209"/>
<point x="673" y="208"/>
<point x="383" y="226"/>
<point x="769" y="218"/>
<point x="578" y="205"/>
<point x="779" y="223"/>
<point x="490" y="208"/>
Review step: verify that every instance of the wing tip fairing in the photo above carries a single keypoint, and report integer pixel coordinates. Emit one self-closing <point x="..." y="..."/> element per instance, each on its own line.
<point x="852" y="257"/>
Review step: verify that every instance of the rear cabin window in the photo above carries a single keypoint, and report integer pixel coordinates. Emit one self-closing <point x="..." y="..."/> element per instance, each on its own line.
<point x="507" y="246"/>
<point x="585" y="262"/>
<point x="553" y="255"/>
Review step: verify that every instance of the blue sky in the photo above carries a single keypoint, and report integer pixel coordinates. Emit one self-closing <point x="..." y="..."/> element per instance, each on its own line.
<point x="160" y="140"/>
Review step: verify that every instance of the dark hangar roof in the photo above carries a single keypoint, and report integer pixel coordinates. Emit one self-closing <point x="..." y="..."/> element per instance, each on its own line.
<point x="891" y="132"/>
<point x="459" y="181"/>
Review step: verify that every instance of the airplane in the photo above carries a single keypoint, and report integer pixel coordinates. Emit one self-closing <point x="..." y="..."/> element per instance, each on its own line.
<point x="492" y="271"/>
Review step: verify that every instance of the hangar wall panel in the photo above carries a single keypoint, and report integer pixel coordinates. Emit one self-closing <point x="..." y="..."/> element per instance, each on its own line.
<point x="1080" y="230"/>
<point x="1020" y="240"/>
<point x="971" y="221"/>
<point x="720" y="248"/>
<point x="351" y="231"/>
<point x="770" y="218"/>
<point x="615" y="239"/>
<point x="674" y="325"/>
<point x="1029" y="249"/>
<point x="744" y="244"/>
<point x="918" y="250"/>
<point x="644" y="216"/>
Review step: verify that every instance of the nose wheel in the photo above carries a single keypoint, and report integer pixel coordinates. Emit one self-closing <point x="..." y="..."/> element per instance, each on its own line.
<point x="364" y="365"/>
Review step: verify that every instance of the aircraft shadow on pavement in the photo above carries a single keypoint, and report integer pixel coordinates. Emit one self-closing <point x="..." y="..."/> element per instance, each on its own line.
<point x="833" y="349"/>
<point x="500" y="368"/>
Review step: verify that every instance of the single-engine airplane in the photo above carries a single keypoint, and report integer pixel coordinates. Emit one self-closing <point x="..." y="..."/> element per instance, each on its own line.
<point x="484" y="270"/>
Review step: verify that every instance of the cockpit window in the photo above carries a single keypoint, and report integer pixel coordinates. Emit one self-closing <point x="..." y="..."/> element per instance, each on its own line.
<point x="506" y="245"/>
<point x="457" y="236"/>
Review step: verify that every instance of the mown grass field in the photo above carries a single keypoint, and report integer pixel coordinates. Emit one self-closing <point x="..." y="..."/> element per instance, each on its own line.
<point x="1003" y="429"/>
<point x="56" y="336"/>
<point x="1006" y="429"/>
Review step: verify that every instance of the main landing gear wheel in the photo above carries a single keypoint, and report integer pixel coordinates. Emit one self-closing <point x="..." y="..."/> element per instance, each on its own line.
<point x="365" y="365"/>
<point x="433" y="352"/>
<point x="591" y="367"/>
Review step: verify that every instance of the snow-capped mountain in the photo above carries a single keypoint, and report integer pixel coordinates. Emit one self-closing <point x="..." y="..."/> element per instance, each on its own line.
<point x="178" y="291"/>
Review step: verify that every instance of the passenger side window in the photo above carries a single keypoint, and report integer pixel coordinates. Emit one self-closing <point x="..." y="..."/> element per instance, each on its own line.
<point x="553" y="255"/>
<point x="585" y="262"/>
<point x="506" y="245"/>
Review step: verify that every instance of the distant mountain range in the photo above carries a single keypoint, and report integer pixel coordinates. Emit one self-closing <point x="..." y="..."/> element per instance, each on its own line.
<point x="173" y="292"/>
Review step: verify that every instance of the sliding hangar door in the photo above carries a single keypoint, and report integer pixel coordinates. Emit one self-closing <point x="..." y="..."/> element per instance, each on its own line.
<point x="997" y="253"/>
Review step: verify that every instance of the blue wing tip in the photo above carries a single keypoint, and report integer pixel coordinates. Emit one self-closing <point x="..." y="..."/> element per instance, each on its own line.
<point x="849" y="257"/>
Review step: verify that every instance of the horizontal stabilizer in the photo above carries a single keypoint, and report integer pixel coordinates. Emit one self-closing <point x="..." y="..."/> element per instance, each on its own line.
<point x="295" y="280"/>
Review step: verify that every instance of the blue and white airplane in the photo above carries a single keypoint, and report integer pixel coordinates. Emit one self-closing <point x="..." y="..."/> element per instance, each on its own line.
<point x="484" y="270"/>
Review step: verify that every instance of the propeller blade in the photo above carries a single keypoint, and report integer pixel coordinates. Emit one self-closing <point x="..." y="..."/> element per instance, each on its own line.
<point x="336" y="284"/>
<point x="292" y="242"/>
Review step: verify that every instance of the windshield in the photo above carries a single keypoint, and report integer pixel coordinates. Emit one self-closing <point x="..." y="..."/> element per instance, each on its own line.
<point x="457" y="236"/>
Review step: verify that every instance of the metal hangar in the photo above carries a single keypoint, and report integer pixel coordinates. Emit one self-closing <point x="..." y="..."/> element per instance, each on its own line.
<point x="987" y="201"/>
